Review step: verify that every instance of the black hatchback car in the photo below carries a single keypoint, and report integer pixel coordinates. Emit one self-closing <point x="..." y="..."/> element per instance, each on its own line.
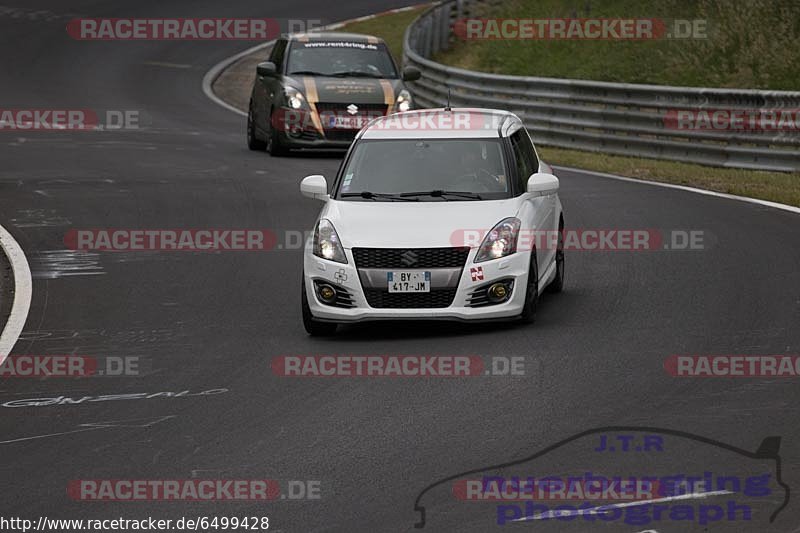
<point x="318" y="90"/>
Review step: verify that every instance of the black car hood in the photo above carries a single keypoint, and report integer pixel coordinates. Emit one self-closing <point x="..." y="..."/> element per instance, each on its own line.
<point x="347" y="90"/>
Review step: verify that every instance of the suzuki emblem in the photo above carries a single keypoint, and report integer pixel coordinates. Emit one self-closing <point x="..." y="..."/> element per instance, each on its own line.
<point x="408" y="258"/>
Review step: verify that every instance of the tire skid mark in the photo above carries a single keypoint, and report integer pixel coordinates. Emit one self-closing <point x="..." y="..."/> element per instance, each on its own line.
<point x="55" y="264"/>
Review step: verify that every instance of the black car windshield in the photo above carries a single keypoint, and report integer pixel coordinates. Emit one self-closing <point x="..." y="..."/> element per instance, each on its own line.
<point x="341" y="58"/>
<point x="425" y="170"/>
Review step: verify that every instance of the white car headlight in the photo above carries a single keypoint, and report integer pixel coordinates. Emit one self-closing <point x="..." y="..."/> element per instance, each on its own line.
<point x="403" y="102"/>
<point x="295" y="98"/>
<point x="326" y="242"/>
<point x="501" y="241"/>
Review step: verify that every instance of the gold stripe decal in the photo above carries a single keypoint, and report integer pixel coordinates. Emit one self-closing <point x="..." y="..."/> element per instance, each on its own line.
<point x="388" y="94"/>
<point x="312" y="97"/>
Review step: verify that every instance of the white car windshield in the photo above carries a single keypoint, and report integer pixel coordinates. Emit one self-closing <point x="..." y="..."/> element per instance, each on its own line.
<point x="425" y="170"/>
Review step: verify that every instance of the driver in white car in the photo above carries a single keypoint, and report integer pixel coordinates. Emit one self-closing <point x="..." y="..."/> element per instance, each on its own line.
<point x="474" y="166"/>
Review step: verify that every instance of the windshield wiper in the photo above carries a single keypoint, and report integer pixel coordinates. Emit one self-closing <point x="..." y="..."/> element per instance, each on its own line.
<point x="306" y="73"/>
<point x="354" y="74"/>
<point x="438" y="193"/>
<point x="375" y="195"/>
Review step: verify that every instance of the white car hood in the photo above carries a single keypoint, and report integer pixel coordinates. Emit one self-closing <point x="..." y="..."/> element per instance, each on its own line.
<point x="424" y="224"/>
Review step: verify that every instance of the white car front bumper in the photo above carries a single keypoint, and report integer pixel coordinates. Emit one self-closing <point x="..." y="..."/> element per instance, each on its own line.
<point x="346" y="276"/>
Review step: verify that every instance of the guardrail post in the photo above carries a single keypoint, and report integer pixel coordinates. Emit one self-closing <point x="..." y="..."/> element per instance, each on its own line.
<point x="444" y="28"/>
<point x="435" y="27"/>
<point x="427" y="38"/>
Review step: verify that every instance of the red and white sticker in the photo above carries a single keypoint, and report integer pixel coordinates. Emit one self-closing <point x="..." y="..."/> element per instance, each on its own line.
<point x="476" y="273"/>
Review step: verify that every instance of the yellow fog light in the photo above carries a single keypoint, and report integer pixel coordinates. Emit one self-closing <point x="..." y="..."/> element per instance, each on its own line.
<point x="497" y="292"/>
<point x="327" y="293"/>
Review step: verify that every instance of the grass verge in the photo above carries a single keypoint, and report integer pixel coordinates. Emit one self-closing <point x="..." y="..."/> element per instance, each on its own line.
<point x="736" y="44"/>
<point x="389" y="27"/>
<point x="773" y="186"/>
<point x="781" y="187"/>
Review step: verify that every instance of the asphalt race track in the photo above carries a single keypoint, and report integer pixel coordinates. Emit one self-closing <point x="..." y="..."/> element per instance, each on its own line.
<point x="210" y="323"/>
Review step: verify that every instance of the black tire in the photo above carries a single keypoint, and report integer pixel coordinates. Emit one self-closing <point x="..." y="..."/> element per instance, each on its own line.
<point x="275" y="146"/>
<point x="314" y="327"/>
<point x="557" y="285"/>
<point x="531" y="291"/>
<point x="253" y="142"/>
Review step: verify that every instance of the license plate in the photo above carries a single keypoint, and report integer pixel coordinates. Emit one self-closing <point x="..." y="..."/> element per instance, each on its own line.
<point x="409" y="281"/>
<point x="349" y="123"/>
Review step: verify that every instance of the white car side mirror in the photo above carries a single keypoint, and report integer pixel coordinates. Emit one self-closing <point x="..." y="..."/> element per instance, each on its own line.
<point x="314" y="186"/>
<point x="542" y="184"/>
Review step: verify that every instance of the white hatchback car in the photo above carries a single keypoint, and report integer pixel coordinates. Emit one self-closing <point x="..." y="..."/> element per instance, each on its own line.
<point x="424" y="221"/>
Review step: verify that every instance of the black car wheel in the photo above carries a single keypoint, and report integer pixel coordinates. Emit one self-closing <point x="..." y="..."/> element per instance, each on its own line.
<point x="557" y="285"/>
<point x="253" y="142"/>
<point x="531" y="291"/>
<point x="275" y="146"/>
<point x="313" y="327"/>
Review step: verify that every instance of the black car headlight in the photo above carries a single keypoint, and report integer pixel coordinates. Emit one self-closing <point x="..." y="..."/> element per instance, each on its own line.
<point x="499" y="242"/>
<point x="326" y="242"/>
<point x="295" y="98"/>
<point x="403" y="102"/>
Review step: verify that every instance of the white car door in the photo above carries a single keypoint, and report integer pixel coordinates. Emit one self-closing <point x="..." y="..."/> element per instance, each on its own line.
<point x="539" y="213"/>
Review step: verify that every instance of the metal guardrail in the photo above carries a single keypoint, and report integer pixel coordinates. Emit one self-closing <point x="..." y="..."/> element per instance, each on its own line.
<point x="615" y="118"/>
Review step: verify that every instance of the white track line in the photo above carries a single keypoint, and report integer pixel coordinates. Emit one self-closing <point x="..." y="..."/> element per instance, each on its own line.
<point x="23" y="289"/>
<point x="766" y="203"/>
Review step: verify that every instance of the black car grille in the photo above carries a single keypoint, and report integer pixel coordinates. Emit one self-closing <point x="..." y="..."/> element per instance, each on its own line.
<point x="341" y="108"/>
<point x="340" y="135"/>
<point x="478" y="298"/>
<point x="380" y="298"/>
<point x="414" y="258"/>
<point x="329" y="135"/>
<point x="307" y="136"/>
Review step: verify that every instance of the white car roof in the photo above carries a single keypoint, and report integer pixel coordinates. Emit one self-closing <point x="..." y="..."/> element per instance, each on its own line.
<point x="463" y="122"/>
